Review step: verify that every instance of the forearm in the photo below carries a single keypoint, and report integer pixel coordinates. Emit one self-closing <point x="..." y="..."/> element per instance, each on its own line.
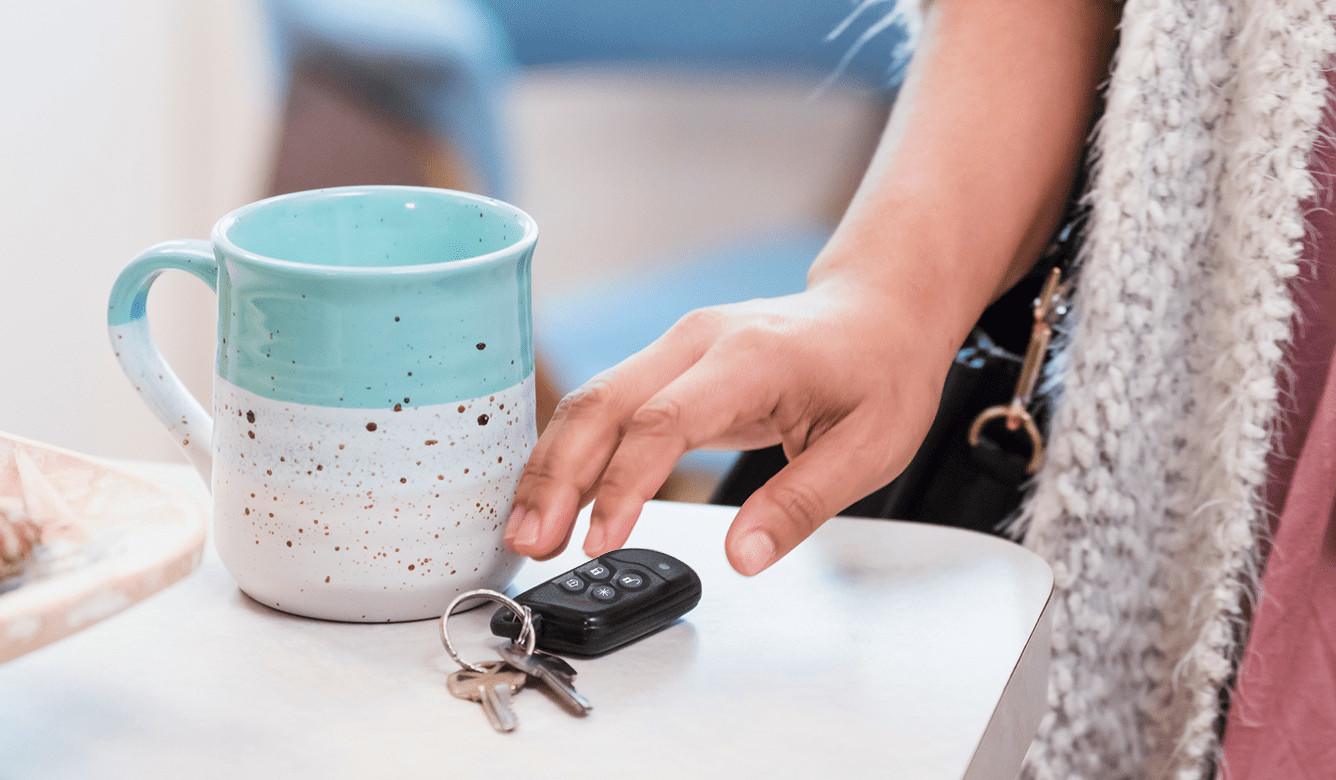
<point x="975" y="165"/>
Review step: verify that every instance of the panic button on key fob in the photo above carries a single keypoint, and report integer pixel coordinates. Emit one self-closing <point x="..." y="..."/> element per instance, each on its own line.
<point x="606" y="603"/>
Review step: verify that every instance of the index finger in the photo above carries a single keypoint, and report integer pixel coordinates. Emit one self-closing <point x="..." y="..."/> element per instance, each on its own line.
<point x="573" y="451"/>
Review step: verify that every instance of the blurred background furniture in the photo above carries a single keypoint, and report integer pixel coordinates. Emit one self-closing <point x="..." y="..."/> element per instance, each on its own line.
<point x="675" y="155"/>
<point x="417" y="92"/>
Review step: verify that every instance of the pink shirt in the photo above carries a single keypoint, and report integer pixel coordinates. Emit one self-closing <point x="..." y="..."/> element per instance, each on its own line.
<point x="1282" y="715"/>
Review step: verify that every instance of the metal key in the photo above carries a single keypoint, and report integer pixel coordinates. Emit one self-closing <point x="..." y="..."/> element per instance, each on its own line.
<point x="492" y="690"/>
<point x="550" y="671"/>
<point x="556" y="663"/>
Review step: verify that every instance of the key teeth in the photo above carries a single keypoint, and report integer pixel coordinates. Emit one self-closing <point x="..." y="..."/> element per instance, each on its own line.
<point x="560" y="685"/>
<point x="491" y="689"/>
<point x="496" y="702"/>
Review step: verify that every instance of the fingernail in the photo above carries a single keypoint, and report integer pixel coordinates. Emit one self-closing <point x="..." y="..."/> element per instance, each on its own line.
<point x="594" y="541"/>
<point x="755" y="552"/>
<point x="529" y="532"/>
<point x="514" y="522"/>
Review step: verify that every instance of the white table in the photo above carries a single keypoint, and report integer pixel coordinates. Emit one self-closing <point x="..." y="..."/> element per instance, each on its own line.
<point x="876" y="649"/>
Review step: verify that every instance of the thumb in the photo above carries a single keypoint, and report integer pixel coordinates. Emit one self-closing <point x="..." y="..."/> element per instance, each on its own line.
<point x="839" y="468"/>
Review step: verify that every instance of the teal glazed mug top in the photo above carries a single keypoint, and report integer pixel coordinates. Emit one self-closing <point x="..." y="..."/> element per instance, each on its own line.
<point x="373" y="402"/>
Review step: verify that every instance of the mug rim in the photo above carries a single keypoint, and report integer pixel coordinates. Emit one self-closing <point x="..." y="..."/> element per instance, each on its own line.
<point x="224" y="242"/>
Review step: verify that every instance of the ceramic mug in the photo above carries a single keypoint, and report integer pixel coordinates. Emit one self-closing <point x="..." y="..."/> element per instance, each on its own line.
<point x="373" y="401"/>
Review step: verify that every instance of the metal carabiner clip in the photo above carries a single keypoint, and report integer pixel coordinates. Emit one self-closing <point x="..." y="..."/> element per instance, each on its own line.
<point x="1048" y="307"/>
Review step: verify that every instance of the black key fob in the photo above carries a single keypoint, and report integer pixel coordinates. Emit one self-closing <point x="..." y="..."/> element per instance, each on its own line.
<point x="605" y="603"/>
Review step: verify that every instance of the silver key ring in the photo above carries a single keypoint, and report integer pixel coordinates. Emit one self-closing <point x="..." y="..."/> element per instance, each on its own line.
<point x="525" y="638"/>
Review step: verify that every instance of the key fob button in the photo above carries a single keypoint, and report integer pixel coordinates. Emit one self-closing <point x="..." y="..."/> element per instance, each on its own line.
<point x="572" y="583"/>
<point x="603" y="592"/>
<point x="631" y="580"/>
<point x="595" y="571"/>
<point x="656" y="563"/>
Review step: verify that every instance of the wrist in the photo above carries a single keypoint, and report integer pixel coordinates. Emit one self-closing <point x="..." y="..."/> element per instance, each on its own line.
<point x="894" y="316"/>
<point x="923" y="275"/>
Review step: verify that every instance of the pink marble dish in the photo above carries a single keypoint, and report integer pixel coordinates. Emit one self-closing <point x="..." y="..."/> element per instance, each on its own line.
<point x="113" y="539"/>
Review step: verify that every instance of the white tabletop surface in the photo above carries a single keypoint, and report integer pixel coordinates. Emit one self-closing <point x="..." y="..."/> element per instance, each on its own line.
<point x="878" y="648"/>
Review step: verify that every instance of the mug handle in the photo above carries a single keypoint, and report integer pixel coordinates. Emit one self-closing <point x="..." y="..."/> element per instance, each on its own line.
<point x="127" y="324"/>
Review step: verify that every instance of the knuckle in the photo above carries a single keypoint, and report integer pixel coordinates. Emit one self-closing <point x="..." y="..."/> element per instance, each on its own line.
<point x="657" y="418"/>
<point x="620" y="490"/>
<point x="535" y="474"/>
<point x="757" y="334"/>
<point x="591" y="398"/>
<point x="615" y="487"/>
<point x="699" y="321"/>
<point x="799" y="506"/>
<point x="522" y="490"/>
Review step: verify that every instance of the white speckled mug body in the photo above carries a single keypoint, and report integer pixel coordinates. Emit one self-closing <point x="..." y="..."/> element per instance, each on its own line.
<point x="374" y="398"/>
<point x="367" y="515"/>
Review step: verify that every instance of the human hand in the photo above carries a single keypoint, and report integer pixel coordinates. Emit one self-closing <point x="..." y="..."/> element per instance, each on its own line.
<point x="844" y="375"/>
<point x="967" y="185"/>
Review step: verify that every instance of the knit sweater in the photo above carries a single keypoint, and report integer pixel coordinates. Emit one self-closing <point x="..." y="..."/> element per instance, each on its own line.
<point x="1149" y="505"/>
